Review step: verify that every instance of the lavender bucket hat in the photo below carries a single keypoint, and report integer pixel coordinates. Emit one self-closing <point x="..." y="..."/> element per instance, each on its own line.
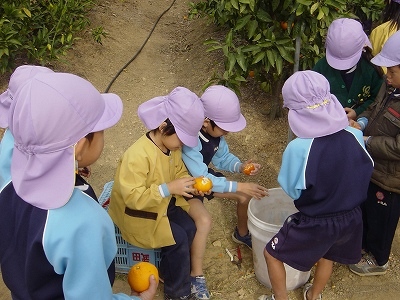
<point x="19" y="77"/>
<point x="345" y="42"/>
<point x="182" y="107"/>
<point x="49" y="114"/>
<point x="390" y="54"/>
<point x="222" y="106"/>
<point x="313" y="110"/>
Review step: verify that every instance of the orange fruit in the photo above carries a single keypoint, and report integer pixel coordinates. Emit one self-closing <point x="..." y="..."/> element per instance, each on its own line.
<point x="251" y="74"/>
<point x="139" y="276"/>
<point x="248" y="168"/>
<point x="202" y="184"/>
<point x="284" y="25"/>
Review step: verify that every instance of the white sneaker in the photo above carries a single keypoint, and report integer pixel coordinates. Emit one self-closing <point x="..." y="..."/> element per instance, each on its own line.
<point x="267" y="297"/>
<point x="306" y="287"/>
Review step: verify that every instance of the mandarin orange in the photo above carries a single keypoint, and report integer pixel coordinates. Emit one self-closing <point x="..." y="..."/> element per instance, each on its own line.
<point x="248" y="168"/>
<point x="139" y="276"/>
<point x="203" y="184"/>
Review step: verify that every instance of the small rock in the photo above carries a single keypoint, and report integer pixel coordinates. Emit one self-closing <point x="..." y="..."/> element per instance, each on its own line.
<point x="241" y="293"/>
<point x="217" y="243"/>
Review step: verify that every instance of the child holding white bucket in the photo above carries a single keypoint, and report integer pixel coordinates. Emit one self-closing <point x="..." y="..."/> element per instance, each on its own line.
<point x="315" y="172"/>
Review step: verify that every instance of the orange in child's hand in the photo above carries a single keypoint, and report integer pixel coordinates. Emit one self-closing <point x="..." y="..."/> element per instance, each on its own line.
<point x="248" y="168"/>
<point x="139" y="276"/>
<point x="203" y="184"/>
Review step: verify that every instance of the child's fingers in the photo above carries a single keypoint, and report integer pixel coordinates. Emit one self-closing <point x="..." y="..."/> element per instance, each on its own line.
<point x="185" y="194"/>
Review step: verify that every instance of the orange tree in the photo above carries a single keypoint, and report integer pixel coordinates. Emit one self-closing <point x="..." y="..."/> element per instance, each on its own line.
<point x="260" y="43"/>
<point x="42" y="30"/>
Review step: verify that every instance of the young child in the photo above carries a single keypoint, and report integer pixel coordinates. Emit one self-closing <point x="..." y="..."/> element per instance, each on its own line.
<point x="381" y="126"/>
<point x="353" y="79"/>
<point x="391" y="24"/>
<point x="222" y="112"/>
<point x="55" y="241"/>
<point x="316" y="169"/>
<point x="19" y="76"/>
<point x="147" y="199"/>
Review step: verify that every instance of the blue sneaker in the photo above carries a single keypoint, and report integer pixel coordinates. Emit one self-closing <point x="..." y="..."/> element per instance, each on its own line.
<point x="199" y="287"/>
<point x="244" y="240"/>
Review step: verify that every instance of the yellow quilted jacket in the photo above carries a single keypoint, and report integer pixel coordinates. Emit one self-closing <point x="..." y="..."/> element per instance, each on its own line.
<point x="138" y="205"/>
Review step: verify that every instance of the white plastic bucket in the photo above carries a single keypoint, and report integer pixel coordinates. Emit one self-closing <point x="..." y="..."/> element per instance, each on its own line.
<point x="265" y="218"/>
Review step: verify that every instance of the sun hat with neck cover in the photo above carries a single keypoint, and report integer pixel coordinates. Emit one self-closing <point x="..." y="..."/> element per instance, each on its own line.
<point x="49" y="114"/>
<point x="313" y="110"/>
<point x="182" y="107"/>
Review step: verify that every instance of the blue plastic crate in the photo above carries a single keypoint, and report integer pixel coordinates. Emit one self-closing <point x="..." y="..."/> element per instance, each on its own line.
<point x="127" y="254"/>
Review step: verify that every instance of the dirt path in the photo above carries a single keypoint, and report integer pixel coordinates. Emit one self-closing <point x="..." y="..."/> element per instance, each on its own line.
<point x="175" y="55"/>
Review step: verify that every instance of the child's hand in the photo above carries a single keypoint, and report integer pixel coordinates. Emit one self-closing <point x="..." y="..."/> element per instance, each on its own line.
<point x="150" y="293"/>
<point x="253" y="189"/>
<point x="351" y="113"/>
<point x="355" y="124"/>
<point x="182" y="186"/>
<point x="200" y="193"/>
<point x="244" y="168"/>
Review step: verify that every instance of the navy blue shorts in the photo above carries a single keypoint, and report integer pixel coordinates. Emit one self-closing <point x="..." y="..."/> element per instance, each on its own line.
<point x="303" y="240"/>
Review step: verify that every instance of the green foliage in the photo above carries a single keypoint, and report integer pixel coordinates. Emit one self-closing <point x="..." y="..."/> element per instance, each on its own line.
<point x="39" y="30"/>
<point x="366" y="9"/>
<point x="98" y="34"/>
<point x="261" y="35"/>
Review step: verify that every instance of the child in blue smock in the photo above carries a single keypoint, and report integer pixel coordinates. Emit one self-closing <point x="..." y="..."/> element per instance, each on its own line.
<point x="222" y="115"/>
<point x="316" y="170"/>
<point x="55" y="241"/>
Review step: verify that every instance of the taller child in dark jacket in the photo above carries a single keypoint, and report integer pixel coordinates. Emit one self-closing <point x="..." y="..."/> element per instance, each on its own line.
<point x="381" y="126"/>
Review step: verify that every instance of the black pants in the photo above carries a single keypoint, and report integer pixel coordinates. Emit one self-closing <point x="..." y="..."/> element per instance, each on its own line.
<point x="381" y="213"/>
<point x="175" y="259"/>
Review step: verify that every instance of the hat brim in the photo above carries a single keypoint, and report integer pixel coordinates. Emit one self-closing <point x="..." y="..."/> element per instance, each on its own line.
<point x="382" y="61"/>
<point x="5" y="102"/>
<point x="112" y="112"/>
<point x="186" y="139"/>
<point x="314" y="123"/>
<point x="342" y="64"/>
<point x="236" y="126"/>
<point x="28" y="174"/>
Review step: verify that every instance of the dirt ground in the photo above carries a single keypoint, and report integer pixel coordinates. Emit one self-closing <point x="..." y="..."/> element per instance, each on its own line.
<point x="175" y="56"/>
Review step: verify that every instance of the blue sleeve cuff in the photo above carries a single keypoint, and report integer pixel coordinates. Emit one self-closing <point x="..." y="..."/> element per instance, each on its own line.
<point x="164" y="190"/>
<point x="363" y="121"/>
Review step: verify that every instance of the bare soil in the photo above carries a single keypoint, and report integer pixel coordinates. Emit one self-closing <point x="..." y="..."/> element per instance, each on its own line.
<point x="175" y="56"/>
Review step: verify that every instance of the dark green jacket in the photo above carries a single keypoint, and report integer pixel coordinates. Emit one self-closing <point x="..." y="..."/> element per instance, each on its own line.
<point x="365" y="86"/>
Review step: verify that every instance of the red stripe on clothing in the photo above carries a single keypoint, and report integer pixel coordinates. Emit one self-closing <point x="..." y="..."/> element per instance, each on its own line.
<point x="393" y="112"/>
